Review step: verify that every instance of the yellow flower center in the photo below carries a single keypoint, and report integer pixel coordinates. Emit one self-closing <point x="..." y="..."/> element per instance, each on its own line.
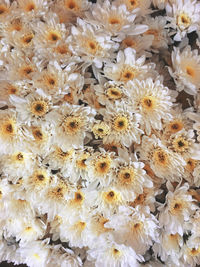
<point x="71" y="5"/>
<point x="194" y="251"/>
<point x="53" y="36"/>
<point x="60" y="154"/>
<point x="26" y="71"/>
<point x="114" y="93"/>
<point x="183" y="20"/>
<point x="78" y="198"/>
<point x="115" y="253"/>
<point x="18" y="157"/>
<point x="62" y="49"/>
<point x="120" y="124"/>
<point x="8" y="128"/>
<point x="177" y="206"/>
<point x="190" y="71"/>
<point x="111" y="197"/>
<point x="80" y="163"/>
<point x="38" y="135"/>
<point x="57" y="193"/>
<point x="175" y="126"/>
<point x="128" y="42"/>
<point x="3" y="9"/>
<point x="160" y="157"/>
<point x="26" y="39"/>
<point x="102" y="165"/>
<point x="36" y="256"/>
<point x="12" y="90"/>
<point x="128" y="73"/>
<point x="39" y="108"/>
<point x="100" y="130"/>
<point x="40" y="178"/>
<point x="137" y="227"/>
<point x="180" y="144"/>
<point x="126" y="175"/>
<point x="191" y="164"/>
<point x="92" y="46"/>
<point x="148" y="103"/>
<point x="30" y="6"/>
<point x="73" y="125"/>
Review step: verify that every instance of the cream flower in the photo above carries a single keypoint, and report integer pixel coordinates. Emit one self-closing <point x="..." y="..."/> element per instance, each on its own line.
<point x="115" y="19"/>
<point x="184" y="17"/>
<point x="124" y="126"/>
<point x="71" y="124"/>
<point x="177" y="210"/>
<point x="142" y="6"/>
<point x="152" y="101"/>
<point x="127" y="67"/>
<point x="91" y="43"/>
<point x="186" y="69"/>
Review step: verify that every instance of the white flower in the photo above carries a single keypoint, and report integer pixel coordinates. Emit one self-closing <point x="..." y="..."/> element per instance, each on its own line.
<point x="178" y="209"/>
<point x="184" y="17"/>
<point x="186" y="69"/>
<point x="124" y="125"/>
<point x="111" y="254"/>
<point x="71" y="124"/>
<point x="91" y="43"/>
<point x="115" y="19"/>
<point x="152" y="101"/>
<point x="128" y="67"/>
<point x="142" y="6"/>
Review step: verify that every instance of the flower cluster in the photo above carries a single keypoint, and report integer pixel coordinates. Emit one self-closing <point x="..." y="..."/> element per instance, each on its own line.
<point x="100" y="132"/>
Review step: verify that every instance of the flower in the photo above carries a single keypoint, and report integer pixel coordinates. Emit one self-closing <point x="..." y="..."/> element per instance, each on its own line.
<point x="186" y="69"/>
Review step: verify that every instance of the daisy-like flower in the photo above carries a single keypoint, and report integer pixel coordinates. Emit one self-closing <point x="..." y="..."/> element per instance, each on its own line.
<point x="184" y="144"/>
<point x="100" y="167"/>
<point x="184" y="16"/>
<point x="169" y="247"/>
<point x="91" y="43"/>
<point x="134" y="228"/>
<point x="111" y="93"/>
<point x="178" y="208"/>
<point x="71" y="124"/>
<point x="34" y="108"/>
<point x="11" y="132"/>
<point x="161" y="160"/>
<point x="157" y="30"/>
<point x="186" y="69"/>
<point x="32" y="8"/>
<point x="130" y="176"/>
<point x="127" y="67"/>
<point x="6" y="9"/>
<point x="124" y="126"/>
<point x="109" y="253"/>
<point x="115" y="19"/>
<point x="191" y="252"/>
<point x="142" y="6"/>
<point x="17" y="164"/>
<point x="34" y="253"/>
<point x="141" y="44"/>
<point x="152" y="101"/>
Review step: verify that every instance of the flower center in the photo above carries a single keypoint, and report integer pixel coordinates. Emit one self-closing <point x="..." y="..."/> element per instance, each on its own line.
<point x="53" y="36"/>
<point x="190" y="71"/>
<point x="8" y="128"/>
<point x="80" y="163"/>
<point x="39" y="108"/>
<point x="120" y="124"/>
<point x="175" y="126"/>
<point x="27" y="38"/>
<point x="128" y="42"/>
<point x="127" y="74"/>
<point x="180" y="145"/>
<point x="160" y="157"/>
<point x="30" y="7"/>
<point x="73" y="125"/>
<point x="148" y="103"/>
<point x="25" y="71"/>
<point x="183" y="20"/>
<point x="126" y="175"/>
<point x="191" y="164"/>
<point x="92" y="46"/>
<point x="100" y="130"/>
<point x="114" y="93"/>
<point x="102" y="165"/>
<point x="71" y="5"/>
<point x="3" y="9"/>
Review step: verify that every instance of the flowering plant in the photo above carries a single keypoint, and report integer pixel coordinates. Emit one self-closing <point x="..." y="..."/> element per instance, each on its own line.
<point x="99" y="133"/>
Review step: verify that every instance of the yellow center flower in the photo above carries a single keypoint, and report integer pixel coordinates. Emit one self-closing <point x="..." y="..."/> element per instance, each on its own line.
<point x="120" y="123"/>
<point x="39" y="107"/>
<point x="148" y="103"/>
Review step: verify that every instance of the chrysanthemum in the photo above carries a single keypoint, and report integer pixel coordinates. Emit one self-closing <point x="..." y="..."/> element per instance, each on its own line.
<point x="127" y="67"/>
<point x="177" y="210"/>
<point x="184" y="17"/>
<point x="33" y="108"/>
<point x="124" y="125"/>
<point x="186" y="69"/>
<point x="71" y="124"/>
<point x="11" y="132"/>
<point x="143" y="7"/>
<point x="191" y="252"/>
<point x="157" y="30"/>
<point x="100" y="167"/>
<point x="34" y="253"/>
<point x="161" y="160"/>
<point x="134" y="228"/>
<point x="33" y="8"/>
<point x="115" y="19"/>
<point x="110" y="253"/>
<point x="152" y="101"/>
<point x="91" y="43"/>
<point x="130" y="177"/>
